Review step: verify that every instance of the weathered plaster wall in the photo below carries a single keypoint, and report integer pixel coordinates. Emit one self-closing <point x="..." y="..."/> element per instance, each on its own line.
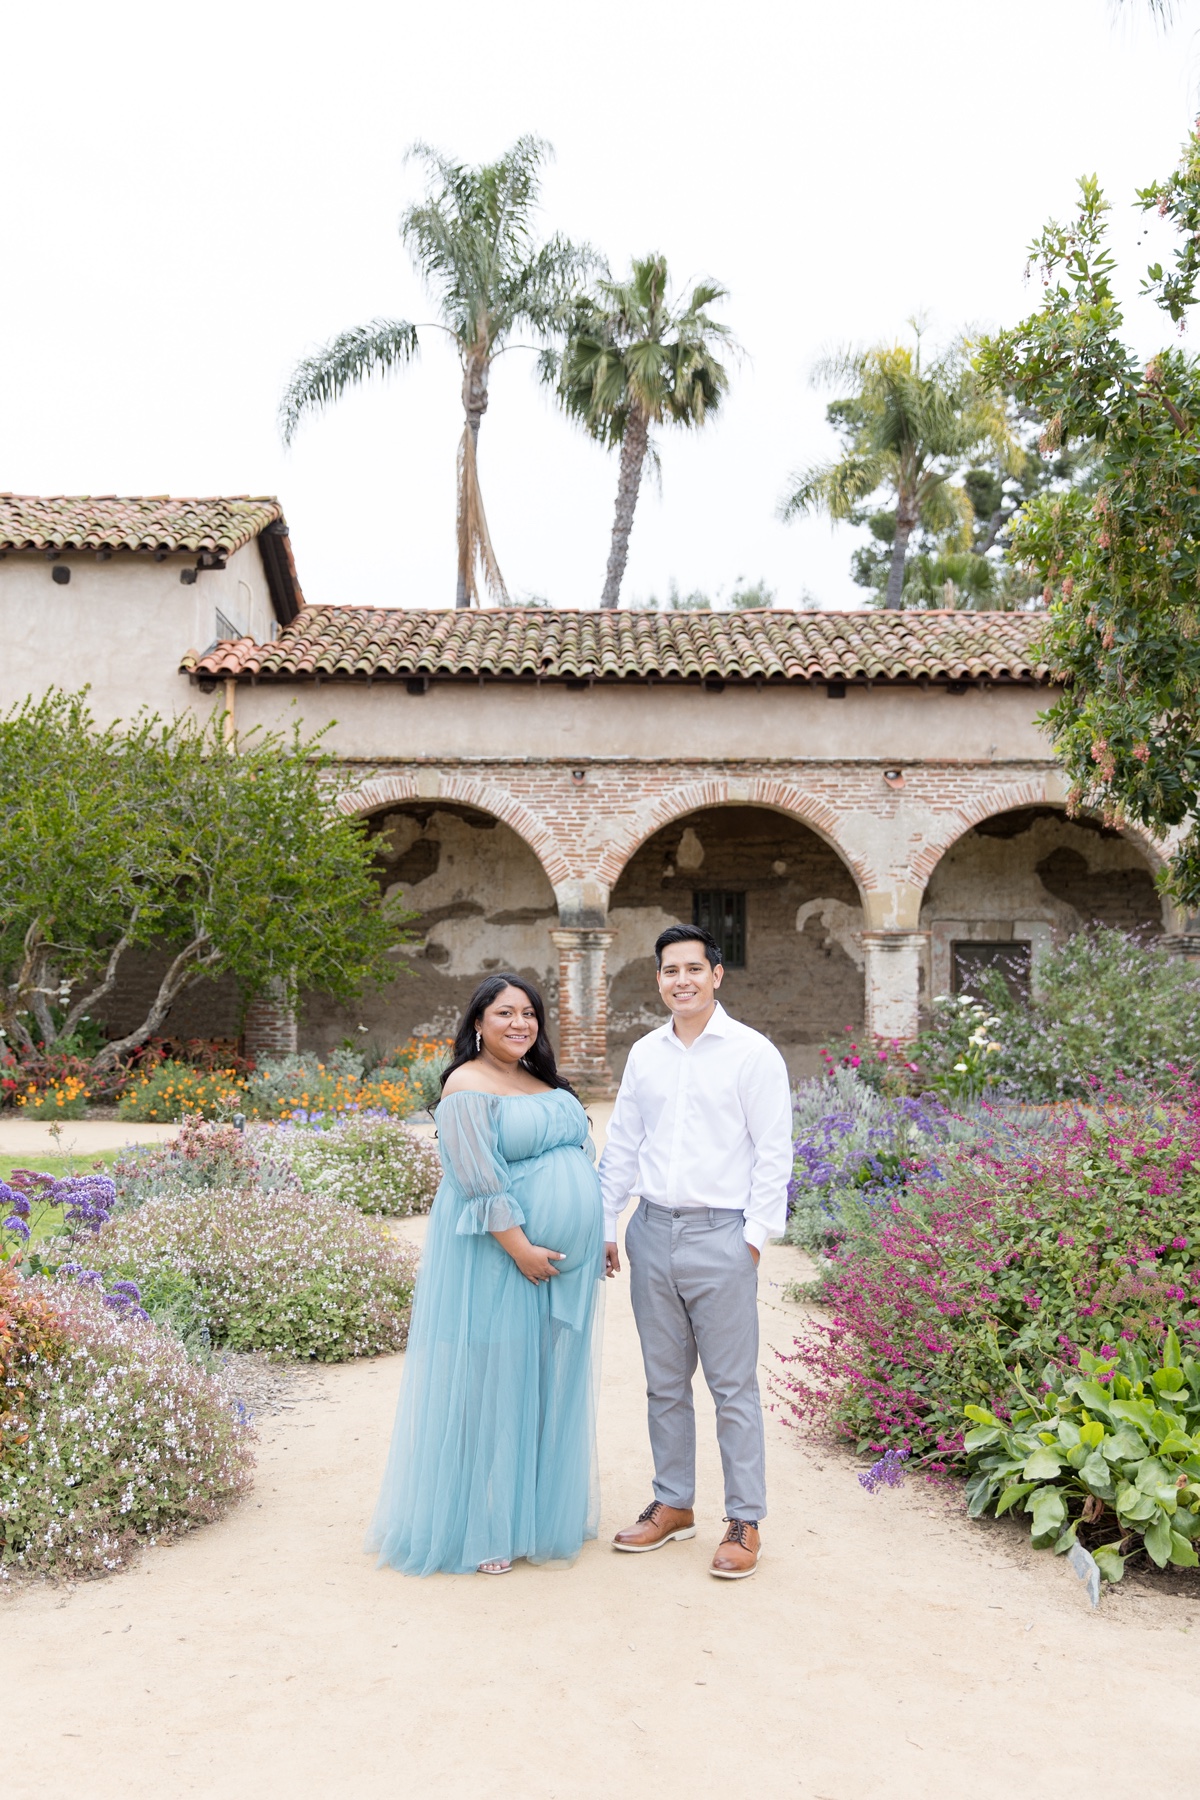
<point x="465" y="720"/>
<point x="121" y="626"/>
<point x="803" y="978"/>
<point x="484" y="903"/>
<point x="1036" y="875"/>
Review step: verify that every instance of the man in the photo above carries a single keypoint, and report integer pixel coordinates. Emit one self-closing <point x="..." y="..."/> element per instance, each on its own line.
<point x="702" y="1133"/>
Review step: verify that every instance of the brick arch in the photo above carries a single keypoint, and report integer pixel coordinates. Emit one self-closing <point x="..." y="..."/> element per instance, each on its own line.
<point x="776" y="796"/>
<point x="1009" y="797"/>
<point x="390" y="790"/>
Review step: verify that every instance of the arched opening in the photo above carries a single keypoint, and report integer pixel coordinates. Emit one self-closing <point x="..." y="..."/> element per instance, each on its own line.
<point x="786" y="905"/>
<point x="483" y="901"/>
<point x="1024" y="879"/>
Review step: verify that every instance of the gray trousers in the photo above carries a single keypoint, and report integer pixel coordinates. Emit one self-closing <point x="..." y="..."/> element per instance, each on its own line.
<point x="695" y="1293"/>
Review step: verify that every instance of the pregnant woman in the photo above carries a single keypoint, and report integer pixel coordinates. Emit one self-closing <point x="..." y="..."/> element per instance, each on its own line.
<point x="494" y="1451"/>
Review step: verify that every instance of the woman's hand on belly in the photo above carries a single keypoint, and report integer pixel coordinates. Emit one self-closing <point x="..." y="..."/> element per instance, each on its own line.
<point x="536" y="1263"/>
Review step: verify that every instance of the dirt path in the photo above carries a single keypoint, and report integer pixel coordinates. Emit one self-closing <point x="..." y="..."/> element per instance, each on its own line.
<point x="884" y="1649"/>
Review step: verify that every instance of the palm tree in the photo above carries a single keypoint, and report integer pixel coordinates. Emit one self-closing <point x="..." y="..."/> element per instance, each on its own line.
<point x="632" y="361"/>
<point x="906" y="428"/>
<point x="472" y="241"/>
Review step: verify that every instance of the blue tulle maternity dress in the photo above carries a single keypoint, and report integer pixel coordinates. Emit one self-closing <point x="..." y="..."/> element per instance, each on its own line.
<point x="494" y="1450"/>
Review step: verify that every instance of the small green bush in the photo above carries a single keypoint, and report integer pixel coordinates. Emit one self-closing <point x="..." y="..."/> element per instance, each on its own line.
<point x="1112" y="1447"/>
<point x="376" y="1164"/>
<point x="267" y="1271"/>
<point x="123" y="1438"/>
<point x="1107" y="1010"/>
<point x="201" y="1157"/>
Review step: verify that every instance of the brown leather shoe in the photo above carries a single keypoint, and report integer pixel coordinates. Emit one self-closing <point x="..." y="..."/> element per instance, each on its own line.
<point x="656" y="1527"/>
<point x="737" y="1553"/>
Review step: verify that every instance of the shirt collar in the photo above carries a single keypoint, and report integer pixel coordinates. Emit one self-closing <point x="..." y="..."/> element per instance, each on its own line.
<point x="717" y="1026"/>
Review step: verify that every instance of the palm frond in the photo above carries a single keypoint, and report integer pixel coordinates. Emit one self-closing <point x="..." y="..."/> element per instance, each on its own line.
<point x="837" y="488"/>
<point x="352" y="356"/>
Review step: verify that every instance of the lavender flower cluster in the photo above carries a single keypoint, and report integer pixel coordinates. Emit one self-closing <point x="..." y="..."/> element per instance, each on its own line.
<point x="887" y="1472"/>
<point x="853" y="1142"/>
<point x="85" y="1201"/>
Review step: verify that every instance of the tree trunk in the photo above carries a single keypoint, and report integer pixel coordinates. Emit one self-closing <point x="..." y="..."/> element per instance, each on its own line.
<point x="474" y="541"/>
<point x="629" y="481"/>
<point x="905" y="525"/>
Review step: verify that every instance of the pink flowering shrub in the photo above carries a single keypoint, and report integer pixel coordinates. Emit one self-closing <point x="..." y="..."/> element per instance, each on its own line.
<point x="121" y="1437"/>
<point x="1004" y="1257"/>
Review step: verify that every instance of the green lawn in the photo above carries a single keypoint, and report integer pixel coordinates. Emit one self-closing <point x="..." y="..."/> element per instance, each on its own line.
<point x="56" y="1164"/>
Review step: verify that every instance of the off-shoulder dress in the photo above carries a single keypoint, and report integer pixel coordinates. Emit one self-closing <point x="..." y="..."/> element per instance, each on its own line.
<point x="494" y="1450"/>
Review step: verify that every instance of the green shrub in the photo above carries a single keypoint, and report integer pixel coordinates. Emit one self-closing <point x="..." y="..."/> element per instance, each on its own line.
<point x="267" y="1270"/>
<point x="1112" y="1450"/>
<point x="201" y="1157"/>
<point x="1107" y="1009"/>
<point x="122" y="1438"/>
<point x="376" y="1164"/>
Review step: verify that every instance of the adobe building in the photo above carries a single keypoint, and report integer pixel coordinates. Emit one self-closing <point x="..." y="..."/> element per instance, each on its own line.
<point x="861" y="805"/>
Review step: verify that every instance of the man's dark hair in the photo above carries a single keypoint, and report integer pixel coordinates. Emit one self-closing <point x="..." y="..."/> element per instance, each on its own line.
<point x="688" y="934"/>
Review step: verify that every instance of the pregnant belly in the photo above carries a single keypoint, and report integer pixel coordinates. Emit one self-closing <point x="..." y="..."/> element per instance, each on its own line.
<point x="560" y="1197"/>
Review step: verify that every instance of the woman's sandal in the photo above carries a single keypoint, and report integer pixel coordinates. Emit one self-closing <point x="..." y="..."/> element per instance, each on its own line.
<point x="495" y="1568"/>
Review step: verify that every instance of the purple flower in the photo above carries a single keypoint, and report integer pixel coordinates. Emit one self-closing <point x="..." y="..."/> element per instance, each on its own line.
<point x="888" y="1471"/>
<point x="11" y="1197"/>
<point x="18" y="1226"/>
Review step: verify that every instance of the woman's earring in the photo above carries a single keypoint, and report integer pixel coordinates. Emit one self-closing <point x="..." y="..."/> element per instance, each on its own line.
<point x="478" y="1043"/>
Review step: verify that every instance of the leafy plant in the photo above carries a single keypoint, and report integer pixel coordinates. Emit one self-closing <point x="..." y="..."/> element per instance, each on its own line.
<point x="63" y="1099"/>
<point x="267" y="1270"/>
<point x="851" y="1144"/>
<point x="1107" y="1011"/>
<point x="1003" y="1255"/>
<point x="110" y="1433"/>
<point x="1113" y="1446"/>
<point x="375" y="1164"/>
<point x="202" y="1156"/>
<point x="1120" y="567"/>
<point x="177" y="1090"/>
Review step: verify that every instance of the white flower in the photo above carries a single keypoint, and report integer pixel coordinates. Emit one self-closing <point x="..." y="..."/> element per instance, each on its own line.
<point x="960" y="1068"/>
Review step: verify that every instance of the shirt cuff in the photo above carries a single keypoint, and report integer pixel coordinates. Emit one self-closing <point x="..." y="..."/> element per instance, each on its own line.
<point x="611" y="1220"/>
<point x="756" y="1236"/>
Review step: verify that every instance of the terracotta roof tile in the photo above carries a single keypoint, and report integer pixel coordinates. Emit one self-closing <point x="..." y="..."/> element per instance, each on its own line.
<point x="142" y="522"/>
<point x="345" y="643"/>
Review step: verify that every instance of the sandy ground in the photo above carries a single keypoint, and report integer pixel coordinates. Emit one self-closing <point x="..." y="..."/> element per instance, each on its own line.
<point x="77" y="1137"/>
<point x="885" y="1647"/>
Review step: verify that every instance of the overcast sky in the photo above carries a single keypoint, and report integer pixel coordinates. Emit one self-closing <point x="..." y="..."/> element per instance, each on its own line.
<point x="197" y="195"/>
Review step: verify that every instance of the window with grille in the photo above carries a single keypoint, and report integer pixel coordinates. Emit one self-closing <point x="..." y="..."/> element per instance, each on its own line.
<point x="971" y="961"/>
<point x="226" y="627"/>
<point x="723" y="916"/>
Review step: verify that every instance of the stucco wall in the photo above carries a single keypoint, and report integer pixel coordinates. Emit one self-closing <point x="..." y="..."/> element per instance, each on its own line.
<point x="1033" y="874"/>
<point x="121" y="626"/>
<point x="464" y="720"/>
<point x="484" y="903"/>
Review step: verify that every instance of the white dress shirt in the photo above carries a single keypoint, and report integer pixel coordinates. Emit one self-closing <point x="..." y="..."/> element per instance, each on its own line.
<point x="709" y="1125"/>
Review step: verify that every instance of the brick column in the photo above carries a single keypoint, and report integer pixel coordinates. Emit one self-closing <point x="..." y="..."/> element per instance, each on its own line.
<point x="895" y="961"/>
<point x="583" y="1009"/>
<point x="270" y="1027"/>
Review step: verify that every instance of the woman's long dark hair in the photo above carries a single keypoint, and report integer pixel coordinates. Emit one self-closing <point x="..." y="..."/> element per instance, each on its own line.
<point x="539" y="1061"/>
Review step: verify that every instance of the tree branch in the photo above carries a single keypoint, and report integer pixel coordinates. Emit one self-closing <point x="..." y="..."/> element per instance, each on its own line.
<point x="186" y="967"/>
